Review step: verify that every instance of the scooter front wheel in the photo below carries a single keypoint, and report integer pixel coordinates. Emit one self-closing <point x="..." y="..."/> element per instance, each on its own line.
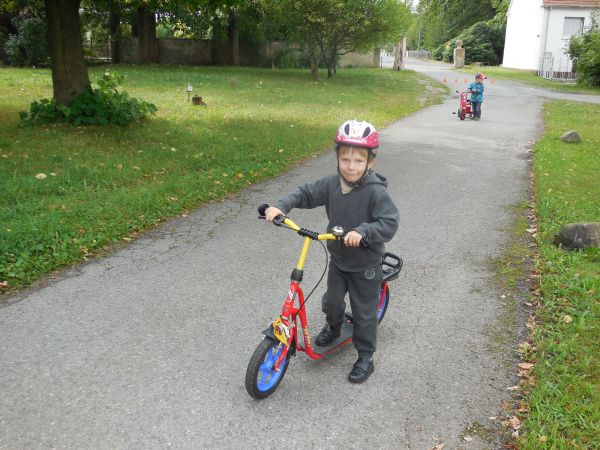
<point x="261" y="377"/>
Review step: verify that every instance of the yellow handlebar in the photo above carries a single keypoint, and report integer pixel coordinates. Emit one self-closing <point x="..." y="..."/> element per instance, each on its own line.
<point x="321" y="237"/>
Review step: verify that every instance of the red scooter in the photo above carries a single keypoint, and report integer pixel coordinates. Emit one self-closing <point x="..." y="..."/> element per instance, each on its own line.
<point x="464" y="105"/>
<point x="288" y="333"/>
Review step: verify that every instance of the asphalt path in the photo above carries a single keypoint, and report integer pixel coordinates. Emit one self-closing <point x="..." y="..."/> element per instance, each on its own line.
<point x="147" y="348"/>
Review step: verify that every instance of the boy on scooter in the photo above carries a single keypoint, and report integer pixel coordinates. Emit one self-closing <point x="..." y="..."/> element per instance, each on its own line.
<point x="355" y="198"/>
<point x="476" y="90"/>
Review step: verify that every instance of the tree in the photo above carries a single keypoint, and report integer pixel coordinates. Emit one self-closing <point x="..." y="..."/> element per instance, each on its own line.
<point x="328" y="28"/>
<point x="69" y="73"/>
<point x="445" y="19"/>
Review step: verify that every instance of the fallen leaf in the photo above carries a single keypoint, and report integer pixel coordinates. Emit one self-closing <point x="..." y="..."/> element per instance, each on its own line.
<point x="41" y="176"/>
<point x="492" y="417"/>
<point x="525" y="365"/>
<point x="567" y="318"/>
<point x="514" y="422"/>
<point x="515" y="435"/>
<point x="512" y="388"/>
<point x="543" y="438"/>
<point x="467" y="438"/>
<point x="173" y="149"/>
<point x="438" y="447"/>
<point x="3" y="284"/>
<point x="505" y="405"/>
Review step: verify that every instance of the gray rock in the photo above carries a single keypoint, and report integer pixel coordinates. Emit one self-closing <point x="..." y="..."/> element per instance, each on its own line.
<point x="579" y="235"/>
<point x="571" y="137"/>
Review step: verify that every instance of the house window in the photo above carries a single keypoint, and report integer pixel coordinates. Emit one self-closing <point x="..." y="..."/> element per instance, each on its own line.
<point x="573" y="27"/>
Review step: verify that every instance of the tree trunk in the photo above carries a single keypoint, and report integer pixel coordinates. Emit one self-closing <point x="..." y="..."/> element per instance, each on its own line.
<point x="234" y="37"/>
<point x="145" y="30"/>
<point x="314" y="68"/>
<point x="69" y="73"/>
<point x="114" y="24"/>
<point x="399" y="55"/>
<point x="331" y="61"/>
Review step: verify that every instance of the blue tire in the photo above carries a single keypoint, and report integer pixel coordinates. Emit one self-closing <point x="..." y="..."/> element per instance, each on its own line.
<point x="382" y="307"/>
<point x="261" y="379"/>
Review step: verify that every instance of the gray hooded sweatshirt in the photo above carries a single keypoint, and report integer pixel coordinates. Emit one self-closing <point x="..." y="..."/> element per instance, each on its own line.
<point x="367" y="209"/>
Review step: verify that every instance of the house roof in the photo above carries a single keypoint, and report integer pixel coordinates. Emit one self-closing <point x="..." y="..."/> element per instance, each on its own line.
<point x="573" y="3"/>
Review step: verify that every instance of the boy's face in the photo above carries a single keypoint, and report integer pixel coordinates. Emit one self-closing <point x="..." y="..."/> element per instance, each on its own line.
<point x="353" y="162"/>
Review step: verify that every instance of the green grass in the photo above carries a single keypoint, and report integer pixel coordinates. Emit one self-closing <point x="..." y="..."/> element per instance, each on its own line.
<point x="565" y="402"/>
<point x="104" y="184"/>
<point x="529" y="77"/>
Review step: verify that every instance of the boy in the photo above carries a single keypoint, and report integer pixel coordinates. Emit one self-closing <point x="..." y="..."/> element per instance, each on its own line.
<point x="476" y="90"/>
<point x="356" y="199"/>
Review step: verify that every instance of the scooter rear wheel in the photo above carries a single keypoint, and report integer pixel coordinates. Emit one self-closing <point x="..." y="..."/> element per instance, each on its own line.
<point x="261" y="378"/>
<point x="461" y="114"/>
<point x="384" y="299"/>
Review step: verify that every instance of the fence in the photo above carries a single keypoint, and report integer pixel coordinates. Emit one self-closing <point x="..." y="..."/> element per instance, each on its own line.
<point x="552" y="68"/>
<point x="419" y="54"/>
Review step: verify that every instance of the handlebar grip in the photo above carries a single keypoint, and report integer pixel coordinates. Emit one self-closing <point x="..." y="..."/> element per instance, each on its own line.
<point x="262" y="209"/>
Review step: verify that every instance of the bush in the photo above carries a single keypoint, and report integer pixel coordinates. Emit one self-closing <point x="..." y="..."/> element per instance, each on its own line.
<point x="585" y="52"/>
<point x="483" y="42"/>
<point x="94" y="107"/>
<point x="29" y="47"/>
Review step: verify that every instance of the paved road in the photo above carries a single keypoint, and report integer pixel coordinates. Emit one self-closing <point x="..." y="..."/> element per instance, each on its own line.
<point x="147" y="348"/>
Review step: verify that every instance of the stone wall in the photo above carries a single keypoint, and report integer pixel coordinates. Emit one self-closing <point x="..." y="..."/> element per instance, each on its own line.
<point x="194" y="52"/>
<point x="203" y="53"/>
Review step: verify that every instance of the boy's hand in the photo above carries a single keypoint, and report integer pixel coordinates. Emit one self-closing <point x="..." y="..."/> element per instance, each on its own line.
<point x="352" y="239"/>
<point x="271" y="213"/>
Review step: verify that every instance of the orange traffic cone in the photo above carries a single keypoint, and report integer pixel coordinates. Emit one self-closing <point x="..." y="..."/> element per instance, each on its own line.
<point x="465" y="80"/>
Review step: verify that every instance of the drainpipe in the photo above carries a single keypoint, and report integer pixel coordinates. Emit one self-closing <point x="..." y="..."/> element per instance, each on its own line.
<point x="547" y="11"/>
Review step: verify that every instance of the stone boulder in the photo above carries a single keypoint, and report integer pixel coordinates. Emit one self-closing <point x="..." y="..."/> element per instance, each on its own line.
<point x="579" y="235"/>
<point x="571" y="137"/>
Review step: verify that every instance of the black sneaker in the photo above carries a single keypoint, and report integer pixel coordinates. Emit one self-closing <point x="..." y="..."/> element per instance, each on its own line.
<point x="362" y="369"/>
<point x="327" y="335"/>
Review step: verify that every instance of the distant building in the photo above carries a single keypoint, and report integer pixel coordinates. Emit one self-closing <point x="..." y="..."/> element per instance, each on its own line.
<point x="538" y="31"/>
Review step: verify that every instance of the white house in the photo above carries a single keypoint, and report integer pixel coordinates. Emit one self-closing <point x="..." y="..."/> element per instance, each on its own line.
<point x="538" y="31"/>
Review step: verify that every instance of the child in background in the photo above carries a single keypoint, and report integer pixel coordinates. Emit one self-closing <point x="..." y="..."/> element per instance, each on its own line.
<point x="476" y="90"/>
<point x="355" y="198"/>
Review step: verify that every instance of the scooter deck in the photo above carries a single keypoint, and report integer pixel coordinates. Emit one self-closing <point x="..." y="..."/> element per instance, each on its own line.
<point x="345" y="335"/>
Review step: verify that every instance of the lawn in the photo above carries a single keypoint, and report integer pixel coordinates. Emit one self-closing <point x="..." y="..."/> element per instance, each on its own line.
<point x="564" y="405"/>
<point x="529" y="77"/>
<point x="68" y="193"/>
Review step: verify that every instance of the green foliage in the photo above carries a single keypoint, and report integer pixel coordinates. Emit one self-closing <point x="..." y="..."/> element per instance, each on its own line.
<point x="585" y="52"/>
<point x="94" y="107"/>
<point x="483" y="42"/>
<point x="29" y="46"/>
<point x="442" y="20"/>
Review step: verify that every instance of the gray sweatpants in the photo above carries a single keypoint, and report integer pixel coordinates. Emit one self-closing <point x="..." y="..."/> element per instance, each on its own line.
<point x="363" y="290"/>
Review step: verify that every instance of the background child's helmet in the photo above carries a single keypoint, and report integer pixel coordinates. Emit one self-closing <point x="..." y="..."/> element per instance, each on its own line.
<point x="358" y="134"/>
<point x="479" y="76"/>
